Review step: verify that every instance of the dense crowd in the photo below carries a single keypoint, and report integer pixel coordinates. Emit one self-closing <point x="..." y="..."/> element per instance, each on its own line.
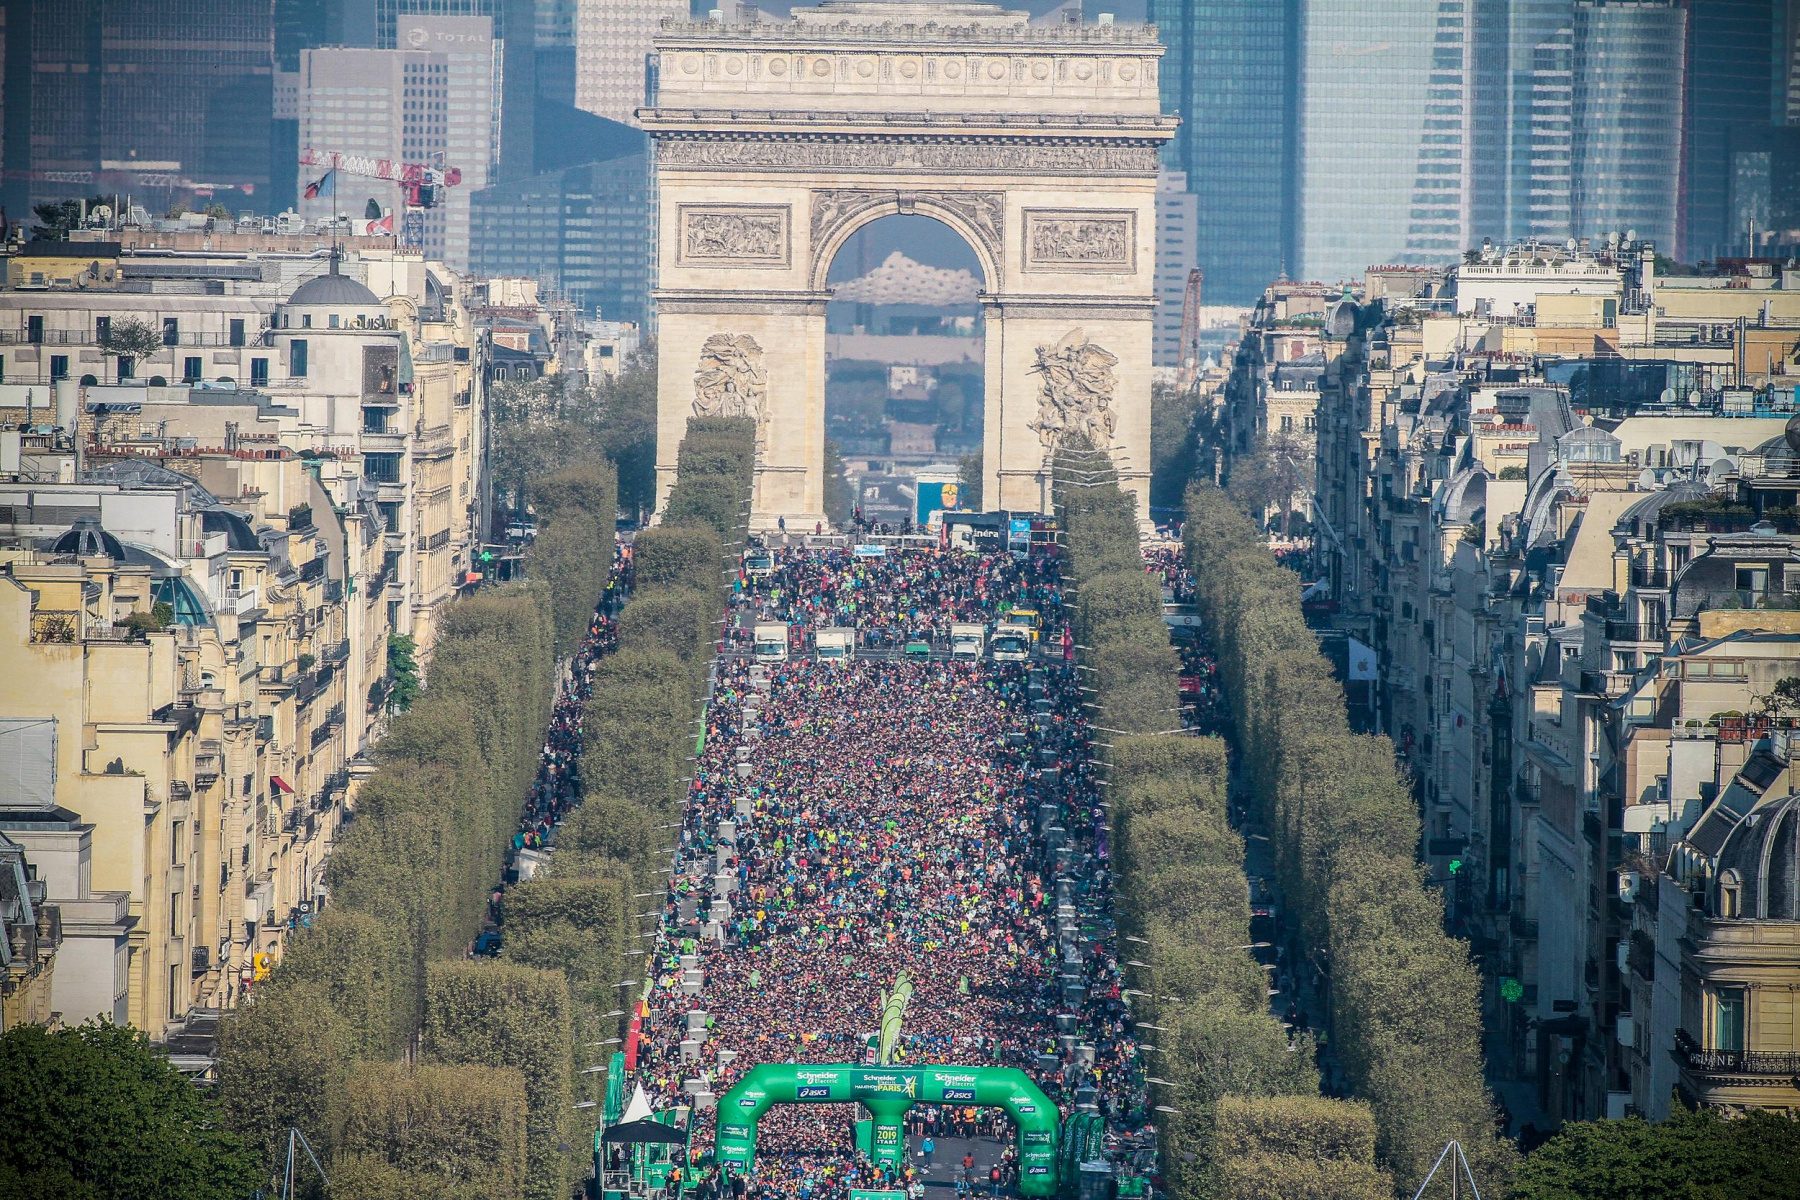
<point x="557" y="785"/>
<point x="1202" y="695"/>
<point x="896" y="597"/>
<point x="877" y="817"/>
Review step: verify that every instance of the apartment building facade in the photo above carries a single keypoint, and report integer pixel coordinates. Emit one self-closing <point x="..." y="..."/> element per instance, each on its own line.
<point x="1557" y="499"/>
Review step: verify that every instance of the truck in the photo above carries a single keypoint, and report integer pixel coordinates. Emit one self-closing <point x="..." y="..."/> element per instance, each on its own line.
<point x="834" y="643"/>
<point x="1010" y="643"/>
<point x="966" y="641"/>
<point x="758" y="562"/>
<point x="771" y="641"/>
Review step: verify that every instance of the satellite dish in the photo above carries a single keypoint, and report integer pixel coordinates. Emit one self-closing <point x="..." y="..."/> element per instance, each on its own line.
<point x="100" y="212"/>
<point x="1694" y="398"/>
<point x="1668" y="396"/>
<point x="1631" y="235"/>
<point x="1569" y="245"/>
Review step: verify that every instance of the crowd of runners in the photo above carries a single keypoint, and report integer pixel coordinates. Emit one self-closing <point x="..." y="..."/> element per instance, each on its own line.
<point x="874" y="817"/>
<point x="557" y="786"/>
<point x="897" y="597"/>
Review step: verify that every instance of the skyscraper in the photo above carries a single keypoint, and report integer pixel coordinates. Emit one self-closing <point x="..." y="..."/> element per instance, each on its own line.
<point x="1532" y="108"/>
<point x="96" y="90"/>
<point x="1735" y="72"/>
<point x="1627" y="118"/>
<point x="612" y="42"/>
<point x="583" y="232"/>
<point x="1177" y="220"/>
<point x="1229" y="74"/>
<point x="1385" y="133"/>
<point x="432" y="104"/>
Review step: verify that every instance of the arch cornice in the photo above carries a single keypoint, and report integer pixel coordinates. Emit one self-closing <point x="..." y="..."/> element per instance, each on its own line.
<point x="977" y="215"/>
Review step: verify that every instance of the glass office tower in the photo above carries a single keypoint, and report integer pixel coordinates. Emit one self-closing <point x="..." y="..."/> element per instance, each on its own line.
<point x="1735" y="88"/>
<point x="1628" y="100"/>
<point x="1386" y="131"/>
<point x="1229" y="75"/>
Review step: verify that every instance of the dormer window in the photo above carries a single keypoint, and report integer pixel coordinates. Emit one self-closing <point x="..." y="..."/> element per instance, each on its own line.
<point x="1731" y="896"/>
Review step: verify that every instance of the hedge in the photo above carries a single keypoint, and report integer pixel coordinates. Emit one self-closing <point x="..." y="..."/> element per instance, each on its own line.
<point x="1404" y="996"/>
<point x="441" y="1131"/>
<point x="1177" y="861"/>
<point x="499" y="1014"/>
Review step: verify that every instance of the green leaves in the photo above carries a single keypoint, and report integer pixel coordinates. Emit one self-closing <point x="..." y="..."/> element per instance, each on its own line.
<point x="497" y="1014"/>
<point x="1405" y="1011"/>
<point x="429" y="1130"/>
<point x="572" y="554"/>
<point x="1691" y="1156"/>
<point x="94" y="1111"/>
<point x="409" y="878"/>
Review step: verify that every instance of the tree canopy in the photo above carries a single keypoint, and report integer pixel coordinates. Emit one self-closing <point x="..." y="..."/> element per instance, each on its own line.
<point x="95" y="1111"/>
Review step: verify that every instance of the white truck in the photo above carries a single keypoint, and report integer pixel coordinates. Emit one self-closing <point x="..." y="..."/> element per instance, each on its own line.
<point x="771" y="641"/>
<point x="966" y="641"/>
<point x="834" y="643"/>
<point x="1010" y="643"/>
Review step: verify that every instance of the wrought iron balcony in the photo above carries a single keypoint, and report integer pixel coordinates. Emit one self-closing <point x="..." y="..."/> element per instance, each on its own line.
<point x="1701" y="1061"/>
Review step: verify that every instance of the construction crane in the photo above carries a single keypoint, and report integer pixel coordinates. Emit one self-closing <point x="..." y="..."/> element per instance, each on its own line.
<point x="419" y="182"/>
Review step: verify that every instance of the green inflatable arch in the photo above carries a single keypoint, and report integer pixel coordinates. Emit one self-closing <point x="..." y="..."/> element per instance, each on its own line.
<point x="887" y="1092"/>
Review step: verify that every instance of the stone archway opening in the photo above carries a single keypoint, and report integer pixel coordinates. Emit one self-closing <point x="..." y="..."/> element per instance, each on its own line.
<point x="776" y="141"/>
<point x="904" y="360"/>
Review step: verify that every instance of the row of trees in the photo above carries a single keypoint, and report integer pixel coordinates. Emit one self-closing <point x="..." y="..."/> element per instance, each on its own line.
<point x="576" y="919"/>
<point x="1403" y="995"/>
<point x="1240" y="1118"/>
<point x="537" y="427"/>
<point x="415" y="1071"/>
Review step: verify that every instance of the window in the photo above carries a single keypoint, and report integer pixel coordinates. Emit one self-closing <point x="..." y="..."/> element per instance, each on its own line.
<point x="175" y="843"/>
<point x="237" y="331"/>
<point x="177" y="1002"/>
<point x="127" y="367"/>
<point x="1730" y="895"/>
<point x="102" y="329"/>
<point x="1753" y="579"/>
<point x="191" y="368"/>
<point x="34" y="330"/>
<point x="171" y="331"/>
<point x="297" y="358"/>
<point x="1727" y="1032"/>
<point x="59" y="366"/>
<point x="259" y="372"/>
<point x="174" y="914"/>
<point x="332" y="321"/>
<point x="2" y="367"/>
<point x="306" y="320"/>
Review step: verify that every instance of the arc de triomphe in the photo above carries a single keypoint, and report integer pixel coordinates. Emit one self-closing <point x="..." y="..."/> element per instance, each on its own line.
<point x="775" y="141"/>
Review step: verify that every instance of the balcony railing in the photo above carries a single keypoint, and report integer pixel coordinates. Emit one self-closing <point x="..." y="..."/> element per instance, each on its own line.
<point x="1702" y="1061"/>
<point x="1632" y="631"/>
<point x="1651" y="577"/>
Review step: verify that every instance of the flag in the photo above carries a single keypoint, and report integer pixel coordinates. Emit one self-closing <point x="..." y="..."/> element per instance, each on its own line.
<point x="323" y="186"/>
<point x="382" y="228"/>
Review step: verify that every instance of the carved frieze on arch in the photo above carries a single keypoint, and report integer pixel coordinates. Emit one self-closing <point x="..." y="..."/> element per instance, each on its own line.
<point x="979" y="216"/>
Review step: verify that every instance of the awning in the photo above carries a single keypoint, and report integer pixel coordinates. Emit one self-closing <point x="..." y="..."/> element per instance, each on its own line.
<point x="640" y="1132"/>
<point x="281" y="785"/>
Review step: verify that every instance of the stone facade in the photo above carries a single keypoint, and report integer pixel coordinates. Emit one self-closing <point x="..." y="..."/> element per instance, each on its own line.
<point x="777" y="141"/>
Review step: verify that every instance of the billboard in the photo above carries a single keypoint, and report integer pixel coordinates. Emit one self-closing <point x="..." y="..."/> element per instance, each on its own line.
<point x="937" y="498"/>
